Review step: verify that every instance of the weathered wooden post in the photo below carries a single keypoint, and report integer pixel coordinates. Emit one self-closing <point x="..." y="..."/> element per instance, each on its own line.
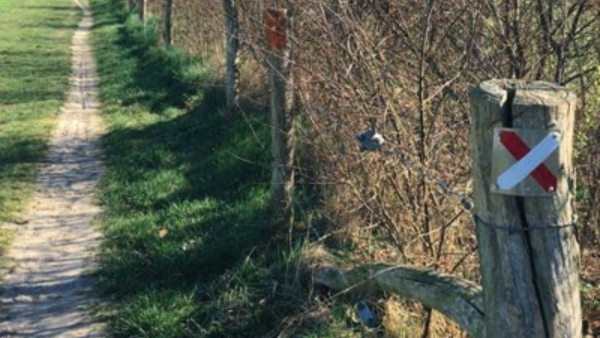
<point x="280" y="83"/>
<point x="522" y="139"/>
<point x="232" y="33"/>
<point x="168" y="33"/>
<point x="142" y="10"/>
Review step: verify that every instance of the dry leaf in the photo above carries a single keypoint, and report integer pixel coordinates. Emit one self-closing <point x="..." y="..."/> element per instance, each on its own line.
<point x="163" y="233"/>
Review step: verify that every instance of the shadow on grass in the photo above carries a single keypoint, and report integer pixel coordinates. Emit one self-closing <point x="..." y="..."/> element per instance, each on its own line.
<point x="180" y="176"/>
<point x="158" y="79"/>
<point x="50" y="7"/>
<point x="10" y="97"/>
<point x="18" y="157"/>
<point x="56" y="24"/>
<point x="14" y="150"/>
<point x="188" y="248"/>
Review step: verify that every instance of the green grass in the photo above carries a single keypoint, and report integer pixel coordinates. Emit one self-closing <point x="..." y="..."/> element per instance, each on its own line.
<point x="189" y="250"/>
<point x="187" y="226"/>
<point x="34" y="79"/>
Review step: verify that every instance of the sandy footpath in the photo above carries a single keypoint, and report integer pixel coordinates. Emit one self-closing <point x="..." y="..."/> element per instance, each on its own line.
<point x="47" y="288"/>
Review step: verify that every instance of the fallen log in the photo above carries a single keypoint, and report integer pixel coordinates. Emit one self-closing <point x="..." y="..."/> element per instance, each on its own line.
<point x="456" y="298"/>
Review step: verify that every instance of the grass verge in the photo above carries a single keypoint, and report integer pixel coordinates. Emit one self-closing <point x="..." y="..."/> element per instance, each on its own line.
<point x="34" y="79"/>
<point x="186" y="194"/>
<point x="188" y="248"/>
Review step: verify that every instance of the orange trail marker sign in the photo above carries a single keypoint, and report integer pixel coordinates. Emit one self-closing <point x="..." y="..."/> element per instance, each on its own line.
<point x="276" y="26"/>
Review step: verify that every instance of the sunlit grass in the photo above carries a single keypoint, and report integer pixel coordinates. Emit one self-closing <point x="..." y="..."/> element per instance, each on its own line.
<point x="34" y="78"/>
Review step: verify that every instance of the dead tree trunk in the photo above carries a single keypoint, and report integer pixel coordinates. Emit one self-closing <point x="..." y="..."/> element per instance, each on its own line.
<point x="168" y="23"/>
<point x="280" y="83"/>
<point x="232" y="31"/>
<point x="527" y="245"/>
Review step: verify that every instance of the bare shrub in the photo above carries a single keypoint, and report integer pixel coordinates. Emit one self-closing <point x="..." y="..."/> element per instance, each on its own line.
<point x="405" y="67"/>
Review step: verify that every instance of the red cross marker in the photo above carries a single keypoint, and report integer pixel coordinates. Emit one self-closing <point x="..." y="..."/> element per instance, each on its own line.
<point x="530" y="161"/>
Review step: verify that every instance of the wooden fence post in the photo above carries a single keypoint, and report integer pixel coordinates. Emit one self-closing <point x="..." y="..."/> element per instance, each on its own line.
<point x="232" y="32"/>
<point x="280" y="82"/>
<point x="168" y="33"/>
<point x="527" y="246"/>
<point x="142" y="10"/>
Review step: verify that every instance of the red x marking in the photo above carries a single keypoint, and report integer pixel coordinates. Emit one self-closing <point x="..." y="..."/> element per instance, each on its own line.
<point x="519" y="149"/>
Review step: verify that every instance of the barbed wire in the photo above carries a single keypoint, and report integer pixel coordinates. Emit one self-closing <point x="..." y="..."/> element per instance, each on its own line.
<point x="373" y="141"/>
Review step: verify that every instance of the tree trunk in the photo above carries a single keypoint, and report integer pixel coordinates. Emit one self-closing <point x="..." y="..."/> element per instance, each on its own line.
<point x="530" y="272"/>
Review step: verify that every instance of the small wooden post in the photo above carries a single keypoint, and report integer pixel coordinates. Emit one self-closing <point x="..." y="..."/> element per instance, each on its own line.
<point x="168" y="22"/>
<point x="142" y="10"/>
<point x="130" y="6"/>
<point x="280" y="83"/>
<point x="529" y="277"/>
<point x="232" y="32"/>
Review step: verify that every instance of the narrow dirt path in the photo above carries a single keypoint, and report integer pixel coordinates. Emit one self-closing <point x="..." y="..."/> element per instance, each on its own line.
<point x="47" y="290"/>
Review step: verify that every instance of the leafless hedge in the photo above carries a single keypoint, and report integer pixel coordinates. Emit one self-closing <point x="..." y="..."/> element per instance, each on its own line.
<point x="405" y="67"/>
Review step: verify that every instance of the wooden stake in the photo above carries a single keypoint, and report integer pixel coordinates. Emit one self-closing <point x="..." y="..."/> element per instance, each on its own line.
<point x="168" y="22"/>
<point x="530" y="278"/>
<point x="232" y="29"/>
<point x="142" y="10"/>
<point x="280" y="82"/>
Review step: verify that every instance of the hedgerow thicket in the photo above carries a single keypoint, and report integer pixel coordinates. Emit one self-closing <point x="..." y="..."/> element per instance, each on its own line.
<point x="405" y="67"/>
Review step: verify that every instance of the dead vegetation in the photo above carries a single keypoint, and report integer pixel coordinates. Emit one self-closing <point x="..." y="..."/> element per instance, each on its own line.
<point x="405" y="67"/>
